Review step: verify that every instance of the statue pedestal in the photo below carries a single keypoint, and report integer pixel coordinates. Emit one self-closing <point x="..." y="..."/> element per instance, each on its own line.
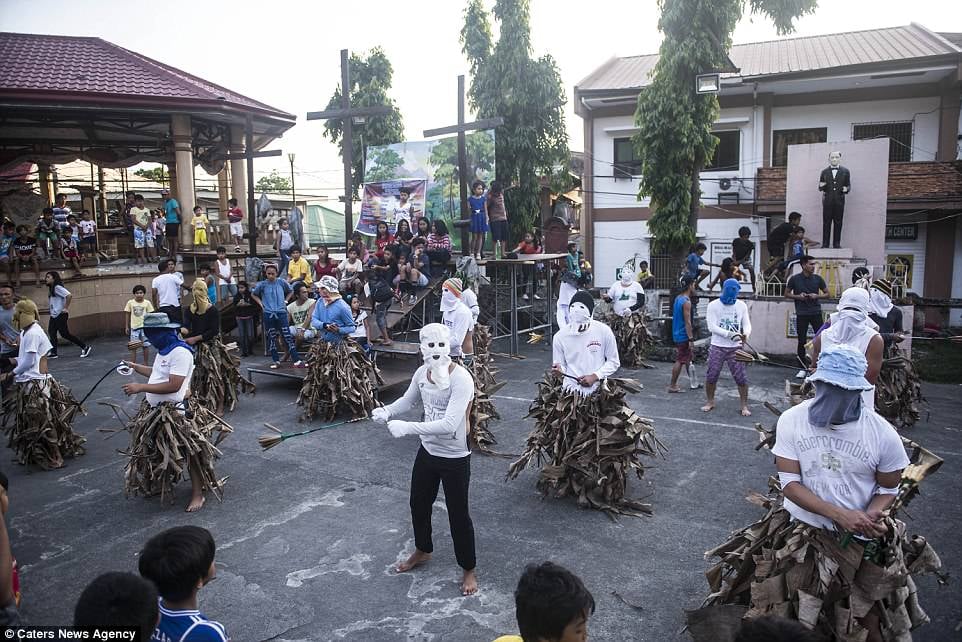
<point x="826" y="253"/>
<point x="835" y="266"/>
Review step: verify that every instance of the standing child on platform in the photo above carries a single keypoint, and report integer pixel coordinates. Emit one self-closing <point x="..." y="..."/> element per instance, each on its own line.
<point x="235" y="220"/>
<point x="199" y="223"/>
<point x="88" y="235"/>
<point x="246" y="312"/>
<point x="498" y="219"/>
<point x="26" y="250"/>
<point x="479" y="218"/>
<point x="134" y="313"/>
<point x="69" y="251"/>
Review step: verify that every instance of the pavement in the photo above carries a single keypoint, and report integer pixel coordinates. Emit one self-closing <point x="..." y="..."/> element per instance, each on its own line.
<point x="308" y="532"/>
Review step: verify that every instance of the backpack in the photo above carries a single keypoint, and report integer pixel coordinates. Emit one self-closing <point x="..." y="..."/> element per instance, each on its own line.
<point x="380" y="290"/>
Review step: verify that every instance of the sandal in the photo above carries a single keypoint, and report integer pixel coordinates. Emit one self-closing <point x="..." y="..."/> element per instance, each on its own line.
<point x="275" y="365"/>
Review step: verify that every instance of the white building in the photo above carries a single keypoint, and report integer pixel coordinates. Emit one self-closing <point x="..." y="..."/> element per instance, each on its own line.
<point x="901" y="82"/>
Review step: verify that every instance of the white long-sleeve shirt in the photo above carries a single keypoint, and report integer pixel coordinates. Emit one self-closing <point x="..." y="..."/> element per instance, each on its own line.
<point x="460" y="323"/>
<point x="593" y="351"/>
<point x="470" y="299"/>
<point x="444" y="429"/>
<point x="723" y="320"/>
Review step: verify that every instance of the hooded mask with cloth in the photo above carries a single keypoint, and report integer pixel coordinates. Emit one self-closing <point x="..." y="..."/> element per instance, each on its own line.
<point x="730" y="290"/>
<point x="436" y="351"/>
<point x="25" y="313"/>
<point x="198" y="291"/>
<point x="626" y="276"/>
<point x="839" y="383"/>
<point x="851" y="320"/>
<point x="880" y="296"/>
<point x="580" y="310"/>
<point x="162" y="332"/>
<point x="451" y="294"/>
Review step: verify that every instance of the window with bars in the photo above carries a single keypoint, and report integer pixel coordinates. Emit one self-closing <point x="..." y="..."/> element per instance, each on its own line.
<point x="626" y="163"/>
<point x="727" y="152"/>
<point x="782" y="138"/>
<point x="900" y="133"/>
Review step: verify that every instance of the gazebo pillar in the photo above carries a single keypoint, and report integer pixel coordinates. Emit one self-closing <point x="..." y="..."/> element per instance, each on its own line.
<point x="238" y="167"/>
<point x="184" y="174"/>
<point x="46" y="189"/>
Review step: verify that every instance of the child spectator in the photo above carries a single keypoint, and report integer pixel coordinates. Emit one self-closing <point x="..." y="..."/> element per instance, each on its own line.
<point x="439" y="243"/>
<point x="299" y="316"/>
<point x="179" y="562"/>
<point x="88" y="235"/>
<point x="572" y="262"/>
<point x="58" y="302"/>
<point x="270" y="295"/>
<point x="224" y="276"/>
<point x="7" y="258"/>
<point x="403" y="238"/>
<point x="645" y="277"/>
<point x="298" y="269"/>
<point x="324" y="265"/>
<point x="694" y="262"/>
<point x="350" y="271"/>
<point x="172" y="221"/>
<point x="528" y="245"/>
<point x="60" y="211"/>
<point x="725" y="271"/>
<point x="402" y="211"/>
<point x="682" y="333"/>
<point x="235" y="220"/>
<point x="117" y="599"/>
<point x="382" y="239"/>
<point x="423" y="228"/>
<point x="379" y="290"/>
<point x="74" y="228"/>
<point x="246" y="312"/>
<point x="69" y="251"/>
<point x="48" y="233"/>
<point x="413" y="272"/>
<point x="158" y="229"/>
<point x="742" y="250"/>
<point x="497" y="219"/>
<point x="143" y="237"/>
<point x="551" y="605"/>
<point x="798" y="249"/>
<point x="200" y="223"/>
<point x="14" y="572"/>
<point x="777" y="238"/>
<point x="25" y="248"/>
<point x="283" y="242"/>
<point x="360" y="327"/>
<point x="478" y="203"/>
<point x="134" y="313"/>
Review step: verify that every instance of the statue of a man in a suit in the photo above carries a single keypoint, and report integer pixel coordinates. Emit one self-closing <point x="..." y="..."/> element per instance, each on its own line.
<point x="834" y="182"/>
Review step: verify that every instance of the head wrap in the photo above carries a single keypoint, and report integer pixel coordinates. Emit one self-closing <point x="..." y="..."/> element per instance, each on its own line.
<point x="450" y="294"/>
<point x="25" y="313"/>
<point x="199" y="292"/>
<point x="852" y="316"/>
<point x="580" y="309"/>
<point x="165" y="339"/>
<point x="330" y="284"/>
<point x="454" y="285"/>
<point x="730" y="290"/>
<point x="839" y="381"/>
<point x="834" y="406"/>
<point x="627" y="276"/>
<point x="880" y="293"/>
<point x="436" y="351"/>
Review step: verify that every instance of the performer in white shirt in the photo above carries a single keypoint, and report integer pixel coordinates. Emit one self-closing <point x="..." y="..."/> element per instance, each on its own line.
<point x="626" y="295"/>
<point x="585" y="350"/>
<point x="730" y="326"/>
<point x="445" y="390"/>
<point x="458" y="319"/>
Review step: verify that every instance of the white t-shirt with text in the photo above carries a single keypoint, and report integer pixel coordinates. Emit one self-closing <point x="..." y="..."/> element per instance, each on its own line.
<point x="622" y="298"/>
<point x="723" y="319"/>
<point x="179" y="361"/>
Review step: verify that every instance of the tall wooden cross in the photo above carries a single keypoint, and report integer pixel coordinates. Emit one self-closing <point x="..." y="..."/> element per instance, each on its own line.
<point x="249" y="155"/>
<point x="461" y="129"/>
<point x="346" y="115"/>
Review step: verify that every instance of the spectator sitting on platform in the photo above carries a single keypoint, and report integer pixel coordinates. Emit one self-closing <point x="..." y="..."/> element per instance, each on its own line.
<point x="742" y="251"/>
<point x="88" y="235"/>
<point x="360" y="327"/>
<point x="180" y="561"/>
<point x="6" y="248"/>
<point x="551" y="605"/>
<point x="116" y="600"/>
<point x="350" y="271"/>
<point x="403" y="238"/>
<point x="48" y="233"/>
<point x="799" y="248"/>
<point x="298" y="269"/>
<point x="645" y="277"/>
<point x="324" y="265"/>
<point x="134" y="312"/>
<point x="726" y="270"/>
<point x="423" y="228"/>
<point x="777" y="238"/>
<point x="25" y="248"/>
<point x="299" y="316"/>
<point x="382" y="239"/>
<point x="694" y="262"/>
<point x="69" y="251"/>
<point x="358" y="243"/>
<point x="379" y="291"/>
<point x="413" y="271"/>
<point x="439" y="243"/>
<point x="332" y="318"/>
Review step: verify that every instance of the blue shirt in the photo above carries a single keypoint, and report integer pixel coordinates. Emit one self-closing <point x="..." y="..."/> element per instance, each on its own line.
<point x="337" y="312"/>
<point x="187" y="626"/>
<point x="476" y="203"/>
<point x="679" y="332"/>
<point x="272" y="295"/>
<point x="798" y="248"/>
<point x="170" y="215"/>
<point x="573" y="265"/>
<point x="694" y="261"/>
<point x="5" y="243"/>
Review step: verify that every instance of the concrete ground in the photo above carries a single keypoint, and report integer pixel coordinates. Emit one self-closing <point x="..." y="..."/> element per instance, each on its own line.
<point x="308" y="532"/>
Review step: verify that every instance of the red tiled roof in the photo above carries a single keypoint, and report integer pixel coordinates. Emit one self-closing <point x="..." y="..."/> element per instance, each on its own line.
<point x="73" y="65"/>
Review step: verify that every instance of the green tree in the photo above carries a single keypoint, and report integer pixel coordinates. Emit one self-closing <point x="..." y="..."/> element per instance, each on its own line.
<point x="384" y="165"/>
<point x="155" y="174"/>
<point x="370" y="83"/>
<point x="273" y="184"/>
<point x="674" y="140"/>
<point x="527" y="92"/>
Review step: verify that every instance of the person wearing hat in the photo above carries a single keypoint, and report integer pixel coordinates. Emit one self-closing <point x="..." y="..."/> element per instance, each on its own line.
<point x="332" y="318"/>
<point x="43" y="409"/>
<point x="585" y="350"/>
<point x="155" y="467"/>
<point x="730" y="325"/>
<point x="851" y="326"/>
<point x="458" y="318"/>
<point x="846" y="558"/>
<point x="172" y="220"/>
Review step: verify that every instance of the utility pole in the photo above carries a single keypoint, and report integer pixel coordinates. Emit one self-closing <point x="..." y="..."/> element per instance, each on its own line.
<point x="290" y="157"/>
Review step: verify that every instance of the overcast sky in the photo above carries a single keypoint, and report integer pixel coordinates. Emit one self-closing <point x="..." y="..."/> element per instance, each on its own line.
<point x="285" y="52"/>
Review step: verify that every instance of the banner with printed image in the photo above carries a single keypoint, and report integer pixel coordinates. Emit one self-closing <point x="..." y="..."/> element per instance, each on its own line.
<point x="390" y="201"/>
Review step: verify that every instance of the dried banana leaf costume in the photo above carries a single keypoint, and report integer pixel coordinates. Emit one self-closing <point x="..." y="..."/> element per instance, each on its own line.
<point x="485" y="385"/>
<point x="38" y="415"/>
<point x="586" y="439"/>
<point x="339" y="376"/>
<point x="169" y="431"/>
<point x="898" y="391"/>
<point x="627" y="319"/>
<point x="217" y="380"/>
<point x="786" y="565"/>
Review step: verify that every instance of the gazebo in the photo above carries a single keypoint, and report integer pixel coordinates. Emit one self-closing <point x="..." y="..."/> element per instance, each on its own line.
<point x="65" y="98"/>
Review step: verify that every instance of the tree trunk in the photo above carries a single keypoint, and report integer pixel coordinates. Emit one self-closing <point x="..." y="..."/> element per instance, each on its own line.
<point x="695" y="199"/>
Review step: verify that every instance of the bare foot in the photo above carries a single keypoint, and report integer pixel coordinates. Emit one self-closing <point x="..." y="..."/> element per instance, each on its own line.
<point x="708" y="407"/>
<point x="417" y="557"/>
<point x="746" y="412"/>
<point x="196" y="503"/>
<point x="387" y="342"/>
<point x="674" y="389"/>
<point x="469" y="583"/>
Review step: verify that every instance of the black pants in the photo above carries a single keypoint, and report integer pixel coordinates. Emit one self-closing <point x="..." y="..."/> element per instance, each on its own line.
<point x="173" y="312"/>
<point x="455" y="474"/>
<point x="802" y="323"/>
<point x="58" y="324"/>
<point x="832" y="210"/>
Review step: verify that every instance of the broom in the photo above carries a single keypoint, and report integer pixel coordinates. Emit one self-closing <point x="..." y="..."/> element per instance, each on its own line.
<point x="747" y="357"/>
<point x="269" y="441"/>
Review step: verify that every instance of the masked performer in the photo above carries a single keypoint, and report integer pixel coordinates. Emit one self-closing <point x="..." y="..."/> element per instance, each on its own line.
<point x="579" y="406"/>
<point x="43" y="410"/>
<point x="627" y="318"/>
<point x="829" y="553"/>
<point x="171" y="435"/>
<point x="899" y="390"/>
<point x="339" y="374"/>
<point x="730" y="326"/>
<point x="445" y="390"/>
<point x="217" y="378"/>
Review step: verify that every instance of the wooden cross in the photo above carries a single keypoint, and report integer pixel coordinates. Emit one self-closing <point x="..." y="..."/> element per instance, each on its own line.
<point x="460" y="129"/>
<point x="249" y="155"/>
<point x="346" y="114"/>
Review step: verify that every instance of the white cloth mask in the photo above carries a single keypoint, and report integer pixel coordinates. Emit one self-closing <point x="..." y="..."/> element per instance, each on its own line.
<point x="579" y="317"/>
<point x="627" y="276"/>
<point x="449" y="300"/>
<point x="436" y="352"/>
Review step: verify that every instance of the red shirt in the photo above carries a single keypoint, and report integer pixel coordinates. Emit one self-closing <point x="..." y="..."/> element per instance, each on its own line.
<point x="381" y="243"/>
<point x="235" y="215"/>
<point x="325" y="270"/>
<point x="526" y="248"/>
